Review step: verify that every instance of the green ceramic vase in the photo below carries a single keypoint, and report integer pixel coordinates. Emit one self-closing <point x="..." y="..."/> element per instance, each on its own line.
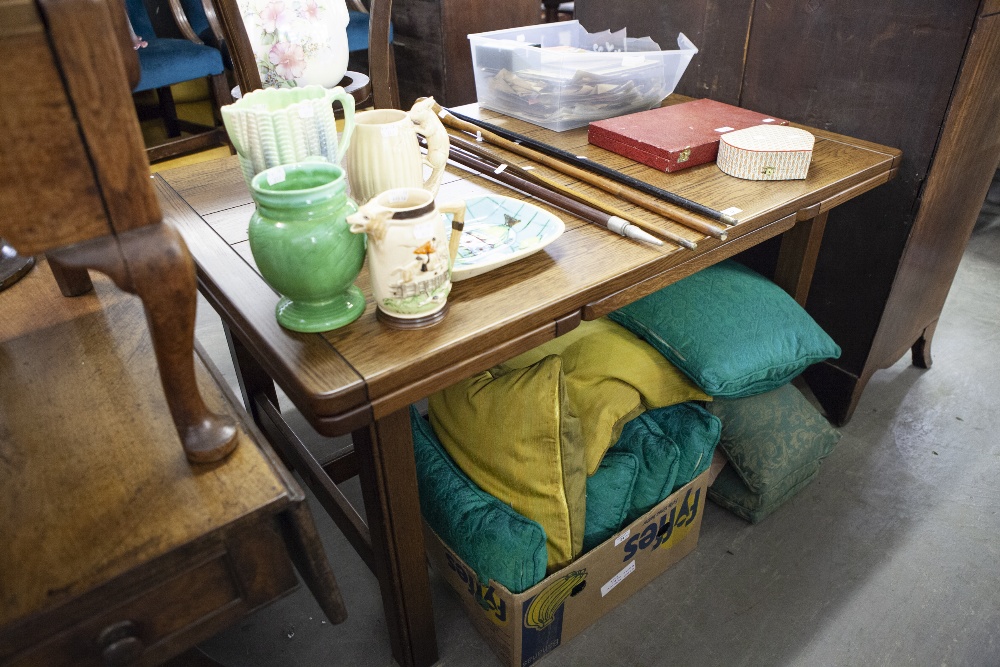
<point x="304" y="247"/>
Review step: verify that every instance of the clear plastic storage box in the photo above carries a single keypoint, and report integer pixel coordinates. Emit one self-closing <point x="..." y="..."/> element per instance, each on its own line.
<point x="560" y="76"/>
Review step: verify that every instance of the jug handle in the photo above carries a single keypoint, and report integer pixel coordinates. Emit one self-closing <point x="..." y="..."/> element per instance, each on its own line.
<point x="457" y="209"/>
<point x="338" y="94"/>
<point x="429" y="126"/>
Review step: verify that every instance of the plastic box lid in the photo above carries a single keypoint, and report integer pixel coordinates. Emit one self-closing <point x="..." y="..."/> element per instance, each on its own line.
<point x="559" y="76"/>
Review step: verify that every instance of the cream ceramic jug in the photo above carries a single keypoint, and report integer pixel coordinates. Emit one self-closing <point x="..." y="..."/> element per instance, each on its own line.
<point x="409" y="254"/>
<point x="385" y="153"/>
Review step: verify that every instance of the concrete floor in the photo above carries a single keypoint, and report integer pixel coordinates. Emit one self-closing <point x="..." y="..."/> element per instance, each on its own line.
<point x="890" y="557"/>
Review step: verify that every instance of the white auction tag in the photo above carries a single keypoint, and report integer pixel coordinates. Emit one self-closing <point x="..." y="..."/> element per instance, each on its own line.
<point x="424" y="230"/>
<point x="618" y="578"/>
<point x="275" y="176"/>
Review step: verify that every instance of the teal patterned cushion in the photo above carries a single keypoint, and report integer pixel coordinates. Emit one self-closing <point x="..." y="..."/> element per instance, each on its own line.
<point x="609" y="496"/>
<point x="771" y="436"/>
<point x="673" y="445"/>
<point x="730" y="492"/>
<point x="492" y="539"/>
<point x="732" y="331"/>
<point x="774" y="443"/>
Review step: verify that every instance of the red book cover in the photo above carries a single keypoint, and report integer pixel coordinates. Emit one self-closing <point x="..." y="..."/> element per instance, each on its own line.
<point x="675" y="137"/>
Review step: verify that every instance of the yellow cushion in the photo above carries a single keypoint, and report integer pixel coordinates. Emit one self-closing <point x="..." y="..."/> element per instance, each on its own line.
<point x="512" y="432"/>
<point x="612" y="376"/>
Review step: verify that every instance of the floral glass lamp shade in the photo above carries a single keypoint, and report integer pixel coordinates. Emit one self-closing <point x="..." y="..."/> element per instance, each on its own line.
<point x="298" y="42"/>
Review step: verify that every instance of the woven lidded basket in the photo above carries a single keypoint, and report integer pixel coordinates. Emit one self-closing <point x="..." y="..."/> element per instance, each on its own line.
<point x="766" y="153"/>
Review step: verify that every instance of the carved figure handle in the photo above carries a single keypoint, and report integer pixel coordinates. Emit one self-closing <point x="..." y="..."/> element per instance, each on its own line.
<point x="429" y="126"/>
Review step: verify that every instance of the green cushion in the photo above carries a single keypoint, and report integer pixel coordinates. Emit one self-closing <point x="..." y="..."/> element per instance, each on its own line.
<point x="732" y="331"/>
<point x="611" y="377"/>
<point x="771" y="436"/>
<point x="516" y="436"/>
<point x="673" y="445"/>
<point x="730" y="492"/>
<point x="609" y="496"/>
<point x="492" y="539"/>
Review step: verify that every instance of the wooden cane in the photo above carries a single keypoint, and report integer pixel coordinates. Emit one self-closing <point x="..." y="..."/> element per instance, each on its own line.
<point x="627" y="193"/>
<point x="590" y="214"/>
<point x="610" y="210"/>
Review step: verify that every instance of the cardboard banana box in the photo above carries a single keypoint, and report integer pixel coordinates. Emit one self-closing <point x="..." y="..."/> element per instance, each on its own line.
<point x="521" y="628"/>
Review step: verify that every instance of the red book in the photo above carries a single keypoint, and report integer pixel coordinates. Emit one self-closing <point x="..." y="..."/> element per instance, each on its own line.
<point x="675" y="137"/>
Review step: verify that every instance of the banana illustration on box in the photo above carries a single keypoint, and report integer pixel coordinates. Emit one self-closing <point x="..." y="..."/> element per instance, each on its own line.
<point x="542" y="610"/>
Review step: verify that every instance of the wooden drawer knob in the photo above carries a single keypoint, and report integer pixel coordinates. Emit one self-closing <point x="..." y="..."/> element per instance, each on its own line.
<point x="120" y="644"/>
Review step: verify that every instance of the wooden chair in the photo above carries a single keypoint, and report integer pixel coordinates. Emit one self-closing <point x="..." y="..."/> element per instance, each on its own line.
<point x="75" y="184"/>
<point x="168" y="61"/>
<point x="380" y="86"/>
<point x="115" y="552"/>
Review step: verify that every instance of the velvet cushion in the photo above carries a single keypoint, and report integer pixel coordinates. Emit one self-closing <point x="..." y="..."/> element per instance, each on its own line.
<point x="732" y="331"/>
<point x="515" y="435"/>
<point x="609" y="497"/>
<point x="731" y="492"/>
<point x="357" y="31"/>
<point x="611" y="377"/>
<point x="673" y="446"/>
<point x="770" y="436"/>
<point x="490" y="537"/>
<point x="774" y="443"/>
<point x="168" y="61"/>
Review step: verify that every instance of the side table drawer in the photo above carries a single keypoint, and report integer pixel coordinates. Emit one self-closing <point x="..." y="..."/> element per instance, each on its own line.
<point x="168" y="608"/>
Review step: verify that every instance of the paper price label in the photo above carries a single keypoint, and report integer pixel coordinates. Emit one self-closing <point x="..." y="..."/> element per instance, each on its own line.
<point x="397" y="196"/>
<point x="724" y="129"/>
<point x="305" y="111"/>
<point x="275" y="176"/>
<point x="424" y="230"/>
<point x="621" y="538"/>
<point x="390" y="131"/>
<point x="618" y="578"/>
<point x="732" y="210"/>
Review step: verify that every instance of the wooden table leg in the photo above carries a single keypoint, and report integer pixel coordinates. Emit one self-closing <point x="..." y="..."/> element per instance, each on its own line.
<point x="252" y="378"/>
<point x="310" y="560"/>
<point x="389" y="486"/>
<point x="797" y="257"/>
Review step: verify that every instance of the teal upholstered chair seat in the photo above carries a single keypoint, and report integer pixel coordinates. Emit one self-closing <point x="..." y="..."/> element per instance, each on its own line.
<point x="167" y="61"/>
<point x="357" y="31"/>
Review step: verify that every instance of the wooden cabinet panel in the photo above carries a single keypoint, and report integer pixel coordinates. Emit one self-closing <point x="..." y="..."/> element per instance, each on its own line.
<point x="432" y="49"/>
<point x="915" y="74"/>
<point x="719" y="28"/>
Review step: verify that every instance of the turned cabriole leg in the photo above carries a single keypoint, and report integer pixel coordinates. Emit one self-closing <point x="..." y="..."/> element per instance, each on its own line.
<point x="153" y="263"/>
<point x="920" y="353"/>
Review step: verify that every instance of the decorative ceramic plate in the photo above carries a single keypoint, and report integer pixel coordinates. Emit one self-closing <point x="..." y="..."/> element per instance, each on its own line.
<point x="500" y="230"/>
